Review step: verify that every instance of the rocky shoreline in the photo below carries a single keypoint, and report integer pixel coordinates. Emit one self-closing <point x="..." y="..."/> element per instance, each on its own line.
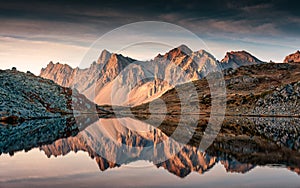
<point x="24" y="96"/>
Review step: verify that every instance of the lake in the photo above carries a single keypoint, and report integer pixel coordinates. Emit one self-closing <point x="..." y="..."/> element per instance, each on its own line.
<point x="126" y="152"/>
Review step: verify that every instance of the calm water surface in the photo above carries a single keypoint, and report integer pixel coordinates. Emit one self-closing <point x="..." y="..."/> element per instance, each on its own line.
<point x="130" y="153"/>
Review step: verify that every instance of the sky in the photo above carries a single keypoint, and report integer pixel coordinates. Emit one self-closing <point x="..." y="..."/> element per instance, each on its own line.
<point x="33" y="33"/>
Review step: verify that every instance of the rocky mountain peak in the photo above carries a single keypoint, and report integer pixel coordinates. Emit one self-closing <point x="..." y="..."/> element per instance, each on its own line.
<point x="104" y="57"/>
<point x="179" y="51"/>
<point x="293" y="58"/>
<point x="238" y="55"/>
<point x="57" y="72"/>
<point x="235" y="59"/>
<point x="108" y="57"/>
<point x="183" y="48"/>
<point x="116" y="63"/>
<point x="204" y="53"/>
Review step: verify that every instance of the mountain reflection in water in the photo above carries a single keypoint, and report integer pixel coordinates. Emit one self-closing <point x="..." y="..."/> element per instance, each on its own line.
<point x="241" y="145"/>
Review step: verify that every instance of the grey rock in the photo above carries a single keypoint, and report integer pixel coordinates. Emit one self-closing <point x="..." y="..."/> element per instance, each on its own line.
<point x="27" y="96"/>
<point x="282" y="100"/>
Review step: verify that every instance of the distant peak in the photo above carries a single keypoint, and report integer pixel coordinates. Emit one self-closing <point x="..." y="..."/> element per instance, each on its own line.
<point x="202" y="51"/>
<point x="182" y="49"/>
<point x="185" y="49"/>
<point x="238" y="54"/>
<point x="104" y="56"/>
<point x="236" y="59"/>
<point x="57" y="65"/>
<point x="105" y="52"/>
<point x="51" y="67"/>
<point x="242" y="52"/>
<point x="293" y="58"/>
<point x="175" y="52"/>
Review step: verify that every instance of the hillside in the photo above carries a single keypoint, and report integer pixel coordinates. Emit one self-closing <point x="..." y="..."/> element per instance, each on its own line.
<point x="263" y="89"/>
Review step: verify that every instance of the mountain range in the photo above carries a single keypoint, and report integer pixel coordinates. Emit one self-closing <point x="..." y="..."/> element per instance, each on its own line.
<point x="117" y="80"/>
<point x="257" y="89"/>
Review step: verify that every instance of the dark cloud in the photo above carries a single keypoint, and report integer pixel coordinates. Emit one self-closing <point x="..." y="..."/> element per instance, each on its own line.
<point x="259" y="18"/>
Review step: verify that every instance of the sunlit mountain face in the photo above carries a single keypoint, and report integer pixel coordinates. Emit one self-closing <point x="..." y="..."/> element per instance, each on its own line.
<point x="147" y="80"/>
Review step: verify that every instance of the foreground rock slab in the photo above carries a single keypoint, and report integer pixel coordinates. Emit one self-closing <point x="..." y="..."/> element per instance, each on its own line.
<point x="24" y="96"/>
